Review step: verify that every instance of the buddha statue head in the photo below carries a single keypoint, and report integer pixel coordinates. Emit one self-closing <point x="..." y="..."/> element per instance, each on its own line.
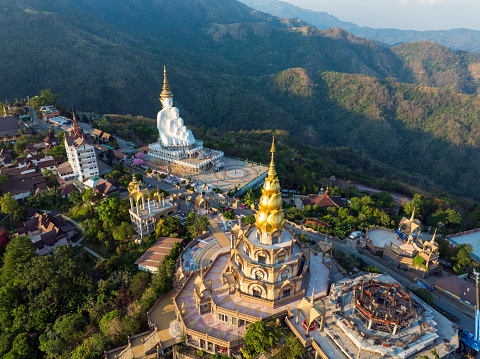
<point x="175" y="112"/>
<point x="167" y="103"/>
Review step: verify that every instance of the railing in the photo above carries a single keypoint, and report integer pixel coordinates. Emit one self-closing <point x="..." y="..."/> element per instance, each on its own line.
<point x="151" y="341"/>
<point x="305" y="343"/>
<point x="127" y="353"/>
<point x="209" y="338"/>
<point x="236" y="314"/>
<point x="319" y="350"/>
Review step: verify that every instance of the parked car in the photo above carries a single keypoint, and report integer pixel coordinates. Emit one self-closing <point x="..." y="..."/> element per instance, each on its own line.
<point x="355" y="235"/>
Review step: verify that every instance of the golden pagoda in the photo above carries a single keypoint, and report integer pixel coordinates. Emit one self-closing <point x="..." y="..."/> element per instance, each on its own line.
<point x="265" y="259"/>
<point x="270" y="216"/>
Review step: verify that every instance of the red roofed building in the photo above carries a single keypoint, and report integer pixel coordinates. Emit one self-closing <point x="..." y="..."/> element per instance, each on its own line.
<point x="322" y="200"/>
<point x="150" y="260"/>
<point x="47" y="232"/>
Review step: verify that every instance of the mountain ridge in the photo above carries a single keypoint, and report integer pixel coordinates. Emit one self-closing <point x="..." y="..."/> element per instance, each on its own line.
<point x="456" y="39"/>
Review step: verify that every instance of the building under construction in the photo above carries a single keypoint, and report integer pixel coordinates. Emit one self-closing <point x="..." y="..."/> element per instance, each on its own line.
<point x="374" y="317"/>
<point x="386" y="307"/>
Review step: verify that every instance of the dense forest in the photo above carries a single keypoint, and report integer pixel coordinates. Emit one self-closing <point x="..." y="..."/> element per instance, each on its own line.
<point x="236" y="69"/>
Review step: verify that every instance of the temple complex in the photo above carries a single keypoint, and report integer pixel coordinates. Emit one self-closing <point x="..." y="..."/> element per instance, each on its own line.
<point x="263" y="273"/>
<point x="228" y="278"/>
<point x="405" y="247"/>
<point x="176" y="144"/>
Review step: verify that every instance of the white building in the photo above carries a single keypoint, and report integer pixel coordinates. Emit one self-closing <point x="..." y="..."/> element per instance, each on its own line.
<point x="81" y="153"/>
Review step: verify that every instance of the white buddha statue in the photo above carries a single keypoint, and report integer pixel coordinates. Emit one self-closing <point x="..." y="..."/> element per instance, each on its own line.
<point x="171" y="129"/>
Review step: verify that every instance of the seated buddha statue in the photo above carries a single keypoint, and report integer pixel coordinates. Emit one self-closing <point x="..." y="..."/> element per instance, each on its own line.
<point x="171" y="129"/>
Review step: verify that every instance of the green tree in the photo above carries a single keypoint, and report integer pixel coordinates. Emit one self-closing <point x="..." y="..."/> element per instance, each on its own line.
<point x="8" y="204"/>
<point x="23" y="347"/>
<point x="50" y="177"/>
<point x="294" y="346"/>
<point x="425" y="295"/>
<point x="60" y="135"/>
<point x="58" y="151"/>
<point x="19" y="252"/>
<point x="6" y="340"/>
<point x="169" y="227"/>
<point x="76" y="198"/>
<point x="122" y="232"/>
<point x="46" y="98"/>
<point x="138" y="177"/>
<point x="228" y="215"/>
<point x="19" y="214"/>
<point x="258" y="338"/>
<point x="70" y="327"/>
<point x="199" y="226"/>
<point x="87" y="195"/>
<point x="115" y="174"/>
<point x="92" y="348"/>
<point x="461" y="258"/>
<point x="249" y="219"/>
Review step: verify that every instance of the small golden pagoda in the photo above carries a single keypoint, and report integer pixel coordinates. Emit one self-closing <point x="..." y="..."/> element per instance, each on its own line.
<point x="166" y="93"/>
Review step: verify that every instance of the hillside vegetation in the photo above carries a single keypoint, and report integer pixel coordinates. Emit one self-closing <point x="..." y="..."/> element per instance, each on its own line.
<point x="234" y="68"/>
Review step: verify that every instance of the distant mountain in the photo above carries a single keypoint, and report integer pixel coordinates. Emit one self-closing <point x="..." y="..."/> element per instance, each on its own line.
<point x="456" y="39"/>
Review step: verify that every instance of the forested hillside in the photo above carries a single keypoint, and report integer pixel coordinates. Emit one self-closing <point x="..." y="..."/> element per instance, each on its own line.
<point x="230" y="67"/>
<point x="414" y="128"/>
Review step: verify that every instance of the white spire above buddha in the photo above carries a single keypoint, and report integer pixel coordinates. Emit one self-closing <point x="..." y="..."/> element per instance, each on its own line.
<point x="171" y="129"/>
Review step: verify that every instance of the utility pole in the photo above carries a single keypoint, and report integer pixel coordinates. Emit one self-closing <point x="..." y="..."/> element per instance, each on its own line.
<point x="477" y="308"/>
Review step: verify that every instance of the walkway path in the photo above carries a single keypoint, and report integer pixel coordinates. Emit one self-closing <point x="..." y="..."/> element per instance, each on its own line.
<point x="221" y="238"/>
<point x="78" y="243"/>
<point x="162" y="315"/>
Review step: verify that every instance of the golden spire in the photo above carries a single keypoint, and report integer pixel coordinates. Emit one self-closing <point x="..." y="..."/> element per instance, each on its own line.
<point x="271" y="171"/>
<point x="270" y="216"/>
<point x="166" y="93"/>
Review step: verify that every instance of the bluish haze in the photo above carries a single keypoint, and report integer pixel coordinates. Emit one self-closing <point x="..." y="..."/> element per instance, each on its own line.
<point x="401" y="14"/>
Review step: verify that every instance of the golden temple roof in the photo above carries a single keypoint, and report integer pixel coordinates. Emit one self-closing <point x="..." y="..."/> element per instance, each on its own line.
<point x="166" y="93"/>
<point x="270" y="216"/>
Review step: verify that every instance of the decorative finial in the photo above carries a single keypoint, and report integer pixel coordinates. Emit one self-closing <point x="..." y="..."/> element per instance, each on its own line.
<point x="271" y="171"/>
<point x="433" y="238"/>
<point x="313" y="297"/>
<point x="166" y="93"/>
<point x="413" y="214"/>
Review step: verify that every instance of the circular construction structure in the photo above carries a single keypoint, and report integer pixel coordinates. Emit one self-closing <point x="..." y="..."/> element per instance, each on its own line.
<point x="383" y="306"/>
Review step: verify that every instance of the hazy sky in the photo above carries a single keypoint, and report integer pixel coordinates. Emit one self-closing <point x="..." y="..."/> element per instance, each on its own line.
<point x="401" y="14"/>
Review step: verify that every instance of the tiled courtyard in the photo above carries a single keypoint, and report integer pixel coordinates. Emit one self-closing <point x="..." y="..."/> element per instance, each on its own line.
<point x="236" y="172"/>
